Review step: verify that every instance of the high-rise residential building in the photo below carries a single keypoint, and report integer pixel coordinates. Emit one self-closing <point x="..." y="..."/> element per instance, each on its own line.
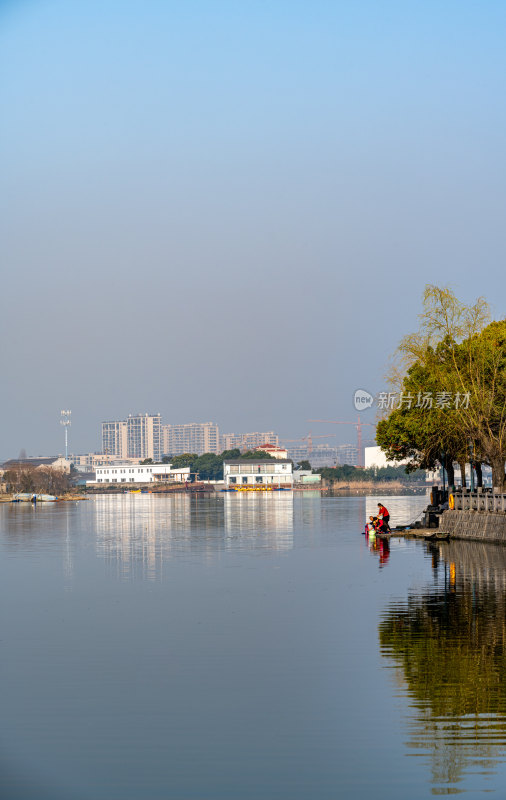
<point x="321" y="455"/>
<point x="114" y="439"/>
<point x="347" y="454"/>
<point x="144" y="436"/>
<point x="191" y="437"/>
<point x="139" y="437"/>
<point x="248" y="441"/>
<point x="297" y="453"/>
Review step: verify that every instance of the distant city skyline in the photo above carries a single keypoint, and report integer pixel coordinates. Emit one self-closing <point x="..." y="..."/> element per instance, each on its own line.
<point x="113" y="438"/>
<point x="145" y="435"/>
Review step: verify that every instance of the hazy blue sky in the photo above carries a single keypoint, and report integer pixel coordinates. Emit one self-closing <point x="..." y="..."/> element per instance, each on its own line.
<point x="228" y="210"/>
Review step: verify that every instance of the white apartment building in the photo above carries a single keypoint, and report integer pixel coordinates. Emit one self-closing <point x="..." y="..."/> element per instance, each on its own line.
<point x="141" y="473"/>
<point x="191" y="437"/>
<point x="258" y="472"/>
<point x="248" y="441"/>
<point x="144" y="436"/>
<point x="114" y="439"/>
<point x="138" y="437"/>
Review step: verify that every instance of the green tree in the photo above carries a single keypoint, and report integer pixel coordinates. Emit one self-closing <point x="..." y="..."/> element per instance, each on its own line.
<point x="304" y="465"/>
<point x="479" y="368"/>
<point x="185" y="460"/>
<point x="425" y="436"/>
<point x="229" y="455"/>
<point x="257" y="454"/>
<point x="346" y="472"/>
<point x="459" y="354"/>
<point x="208" y="466"/>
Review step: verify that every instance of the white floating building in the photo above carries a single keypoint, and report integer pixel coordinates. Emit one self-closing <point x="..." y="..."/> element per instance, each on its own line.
<point x="258" y="472"/>
<point x="141" y="473"/>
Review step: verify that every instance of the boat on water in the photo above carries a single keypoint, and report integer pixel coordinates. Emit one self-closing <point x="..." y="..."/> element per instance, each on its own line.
<point x="32" y="497"/>
<point x="247" y="488"/>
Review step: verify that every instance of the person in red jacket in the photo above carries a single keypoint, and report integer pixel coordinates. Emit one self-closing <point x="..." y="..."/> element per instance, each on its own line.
<point x="385" y="515"/>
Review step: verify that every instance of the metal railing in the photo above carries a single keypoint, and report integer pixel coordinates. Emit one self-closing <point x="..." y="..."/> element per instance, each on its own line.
<point x="480" y="500"/>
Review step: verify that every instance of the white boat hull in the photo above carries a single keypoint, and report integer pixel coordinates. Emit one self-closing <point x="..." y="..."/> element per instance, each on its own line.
<point x="32" y="497"/>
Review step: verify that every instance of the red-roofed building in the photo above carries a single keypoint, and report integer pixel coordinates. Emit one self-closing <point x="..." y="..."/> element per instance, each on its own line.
<point x="273" y="450"/>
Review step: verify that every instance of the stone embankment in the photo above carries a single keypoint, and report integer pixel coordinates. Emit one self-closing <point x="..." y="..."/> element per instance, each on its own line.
<point x="483" y="526"/>
<point x="369" y="487"/>
<point x="476" y="515"/>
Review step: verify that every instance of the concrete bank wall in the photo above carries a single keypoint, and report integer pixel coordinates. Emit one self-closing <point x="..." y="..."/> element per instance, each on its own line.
<point x="478" y="525"/>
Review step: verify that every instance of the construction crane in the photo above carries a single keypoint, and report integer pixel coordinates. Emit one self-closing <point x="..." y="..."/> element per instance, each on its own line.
<point x="309" y="439"/>
<point x="358" y="426"/>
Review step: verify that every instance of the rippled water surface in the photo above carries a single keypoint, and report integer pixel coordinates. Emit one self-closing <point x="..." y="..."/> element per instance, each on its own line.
<point x="245" y="647"/>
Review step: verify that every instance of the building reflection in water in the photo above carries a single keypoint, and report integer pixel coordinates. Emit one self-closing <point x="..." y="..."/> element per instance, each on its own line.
<point x="450" y="646"/>
<point x="259" y="520"/>
<point x="142" y="531"/>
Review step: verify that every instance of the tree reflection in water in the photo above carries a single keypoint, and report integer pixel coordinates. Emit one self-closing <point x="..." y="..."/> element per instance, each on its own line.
<point x="450" y="645"/>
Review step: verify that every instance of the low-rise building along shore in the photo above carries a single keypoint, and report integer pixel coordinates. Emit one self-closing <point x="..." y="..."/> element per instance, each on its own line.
<point x="273" y="450"/>
<point x="251" y="473"/>
<point x="141" y="473"/>
<point x="38" y="462"/>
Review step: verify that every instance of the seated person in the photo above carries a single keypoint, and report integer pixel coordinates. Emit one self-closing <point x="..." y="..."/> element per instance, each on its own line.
<point x="380" y="526"/>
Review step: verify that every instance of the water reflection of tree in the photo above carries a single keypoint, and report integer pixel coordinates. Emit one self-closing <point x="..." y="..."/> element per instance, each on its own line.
<point x="450" y="644"/>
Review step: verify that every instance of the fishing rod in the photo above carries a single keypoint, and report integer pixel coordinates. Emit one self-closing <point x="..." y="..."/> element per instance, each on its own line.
<point x="416" y="518"/>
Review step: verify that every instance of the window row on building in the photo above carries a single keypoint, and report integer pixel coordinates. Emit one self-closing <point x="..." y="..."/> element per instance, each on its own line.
<point x="257" y="467"/>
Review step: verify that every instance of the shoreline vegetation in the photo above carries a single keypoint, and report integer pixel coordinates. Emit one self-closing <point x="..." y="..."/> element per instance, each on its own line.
<point x="377" y="486"/>
<point x="210" y="467"/>
<point x="338" y="487"/>
<point x="372" y="476"/>
<point x="447" y="403"/>
<point x="26" y="478"/>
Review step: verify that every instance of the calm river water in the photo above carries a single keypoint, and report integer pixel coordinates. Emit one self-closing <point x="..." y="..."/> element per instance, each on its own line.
<point x="245" y="647"/>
